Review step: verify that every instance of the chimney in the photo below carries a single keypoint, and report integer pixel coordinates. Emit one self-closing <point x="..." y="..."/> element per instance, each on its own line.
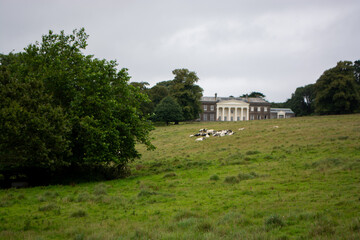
<point x="215" y="96"/>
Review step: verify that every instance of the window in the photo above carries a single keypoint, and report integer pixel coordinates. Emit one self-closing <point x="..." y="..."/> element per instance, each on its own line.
<point x="205" y="107"/>
<point x="212" y="107"/>
<point x="205" y="117"/>
<point x="259" y="109"/>
<point x="265" y="109"/>
<point x="212" y="117"/>
<point x="238" y="118"/>
<point x="252" y="109"/>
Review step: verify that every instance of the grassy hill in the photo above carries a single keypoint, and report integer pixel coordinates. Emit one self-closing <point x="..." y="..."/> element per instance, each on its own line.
<point x="276" y="179"/>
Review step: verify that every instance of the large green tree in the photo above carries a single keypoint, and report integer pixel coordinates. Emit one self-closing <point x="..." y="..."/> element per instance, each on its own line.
<point x="33" y="132"/>
<point x="101" y="108"/>
<point x="184" y="89"/>
<point x="168" y="110"/>
<point x="337" y="90"/>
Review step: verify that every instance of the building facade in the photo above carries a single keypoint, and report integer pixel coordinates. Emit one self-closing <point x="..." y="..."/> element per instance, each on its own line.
<point x="281" y="113"/>
<point x="234" y="109"/>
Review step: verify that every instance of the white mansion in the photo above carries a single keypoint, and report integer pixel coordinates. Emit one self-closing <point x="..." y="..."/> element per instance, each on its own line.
<point x="239" y="109"/>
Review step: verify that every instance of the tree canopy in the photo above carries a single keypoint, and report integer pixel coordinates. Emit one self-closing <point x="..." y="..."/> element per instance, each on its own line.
<point x="76" y="110"/>
<point x="168" y="110"/>
<point x="337" y="90"/>
<point x="302" y="101"/>
<point x="187" y="93"/>
<point x="254" y="95"/>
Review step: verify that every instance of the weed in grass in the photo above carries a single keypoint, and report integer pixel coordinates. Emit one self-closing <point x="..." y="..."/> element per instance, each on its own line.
<point x="343" y="137"/>
<point x="145" y="193"/>
<point x="245" y="176"/>
<point x="233" y="218"/>
<point x="204" y="226"/>
<point x="252" y="152"/>
<point x="68" y="199"/>
<point x="78" y="213"/>
<point x="48" y="207"/>
<point x="169" y="175"/>
<point x="49" y="194"/>
<point x="322" y="227"/>
<point x="274" y="221"/>
<point x="100" y="189"/>
<point x="214" y="177"/>
<point x="184" y="214"/>
<point x="187" y="223"/>
<point x="27" y="225"/>
<point x="231" y="179"/>
<point x="79" y="236"/>
<point x="83" y="197"/>
<point x="355" y="225"/>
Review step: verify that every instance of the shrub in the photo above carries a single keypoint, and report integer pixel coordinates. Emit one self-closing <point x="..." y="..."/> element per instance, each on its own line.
<point x="231" y="179"/>
<point x="214" y="177"/>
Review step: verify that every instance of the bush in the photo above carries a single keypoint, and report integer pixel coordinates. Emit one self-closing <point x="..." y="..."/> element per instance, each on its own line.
<point x="214" y="177"/>
<point x="79" y="213"/>
<point x="231" y="179"/>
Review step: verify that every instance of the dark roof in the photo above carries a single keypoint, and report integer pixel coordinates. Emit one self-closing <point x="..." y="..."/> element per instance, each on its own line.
<point x="218" y="99"/>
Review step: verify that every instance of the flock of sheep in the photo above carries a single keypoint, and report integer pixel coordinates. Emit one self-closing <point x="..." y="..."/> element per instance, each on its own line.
<point x="205" y="133"/>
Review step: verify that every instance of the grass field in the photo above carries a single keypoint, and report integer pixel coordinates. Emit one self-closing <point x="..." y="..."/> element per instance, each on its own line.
<point x="300" y="180"/>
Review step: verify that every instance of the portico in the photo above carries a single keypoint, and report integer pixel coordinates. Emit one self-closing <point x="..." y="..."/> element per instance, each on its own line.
<point x="232" y="110"/>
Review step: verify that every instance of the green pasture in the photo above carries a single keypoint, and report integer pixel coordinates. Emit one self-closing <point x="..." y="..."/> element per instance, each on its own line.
<point x="276" y="179"/>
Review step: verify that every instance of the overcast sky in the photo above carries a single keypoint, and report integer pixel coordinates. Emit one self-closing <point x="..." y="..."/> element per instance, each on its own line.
<point x="235" y="47"/>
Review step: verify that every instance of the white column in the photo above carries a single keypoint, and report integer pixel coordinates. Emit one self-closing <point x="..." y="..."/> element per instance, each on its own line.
<point x="235" y="113"/>
<point x="241" y="114"/>
<point x="217" y="113"/>
<point x="247" y="113"/>
<point x="222" y="113"/>
<point x="229" y="114"/>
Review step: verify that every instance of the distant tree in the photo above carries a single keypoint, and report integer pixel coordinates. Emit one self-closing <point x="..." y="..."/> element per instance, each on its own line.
<point x="302" y="101"/>
<point x="337" y="90"/>
<point x="157" y="93"/>
<point x="141" y="85"/>
<point x="187" y="93"/>
<point x="254" y="95"/>
<point x="168" y="110"/>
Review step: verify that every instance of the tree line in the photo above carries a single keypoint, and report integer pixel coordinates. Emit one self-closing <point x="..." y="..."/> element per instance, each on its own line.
<point x="174" y="100"/>
<point x="337" y="91"/>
